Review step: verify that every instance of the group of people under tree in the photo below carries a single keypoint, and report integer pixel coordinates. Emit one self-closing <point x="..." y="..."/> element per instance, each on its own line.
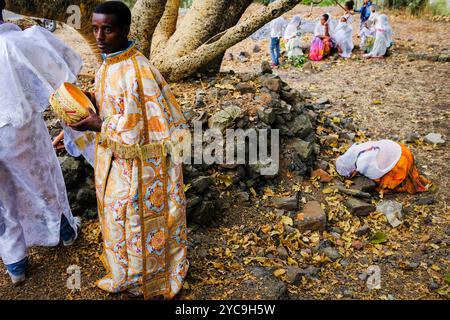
<point x="129" y="140"/>
<point x="375" y="33"/>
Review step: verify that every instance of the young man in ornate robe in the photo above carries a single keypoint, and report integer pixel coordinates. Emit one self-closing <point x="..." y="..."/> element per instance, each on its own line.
<point x="139" y="184"/>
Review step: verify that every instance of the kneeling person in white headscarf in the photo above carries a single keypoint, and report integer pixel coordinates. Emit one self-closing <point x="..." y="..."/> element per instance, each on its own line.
<point x="383" y="38"/>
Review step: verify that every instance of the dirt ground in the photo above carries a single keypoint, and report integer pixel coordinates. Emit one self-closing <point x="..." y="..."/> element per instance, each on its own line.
<point x="387" y="98"/>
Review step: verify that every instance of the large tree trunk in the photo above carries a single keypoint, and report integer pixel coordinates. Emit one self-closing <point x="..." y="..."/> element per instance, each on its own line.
<point x="57" y="10"/>
<point x="195" y="30"/>
<point x="204" y="35"/>
<point x="166" y="26"/>
<point x="146" y="14"/>
<point x="176" y="69"/>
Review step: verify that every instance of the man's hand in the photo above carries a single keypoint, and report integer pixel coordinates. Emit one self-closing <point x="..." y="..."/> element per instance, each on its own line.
<point x="91" y="123"/>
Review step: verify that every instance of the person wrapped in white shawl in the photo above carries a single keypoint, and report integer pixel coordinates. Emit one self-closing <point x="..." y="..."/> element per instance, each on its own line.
<point x="367" y="32"/>
<point x="383" y="38"/>
<point x="343" y="37"/>
<point x="292" y="36"/>
<point x="34" y="207"/>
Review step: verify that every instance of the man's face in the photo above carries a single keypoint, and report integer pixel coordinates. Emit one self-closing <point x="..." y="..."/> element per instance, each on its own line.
<point x="365" y="1"/>
<point x="109" y="35"/>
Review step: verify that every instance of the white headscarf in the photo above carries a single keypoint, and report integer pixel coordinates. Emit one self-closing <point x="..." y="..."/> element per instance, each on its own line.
<point x="372" y="159"/>
<point x="384" y="26"/>
<point x="343" y="37"/>
<point x="373" y="19"/>
<point x="319" y="30"/>
<point x="293" y="27"/>
<point x="34" y="64"/>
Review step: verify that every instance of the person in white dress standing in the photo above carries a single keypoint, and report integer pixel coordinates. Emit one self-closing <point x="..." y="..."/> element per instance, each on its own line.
<point x="292" y="37"/>
<point x="34" y="209"/>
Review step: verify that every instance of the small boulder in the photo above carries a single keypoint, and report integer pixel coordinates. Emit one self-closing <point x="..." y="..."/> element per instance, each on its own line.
<point x="434" y="138"/>
<point x="266" y="68"/>
<point x="286" y="203"/>
<point x="202" y="183"/>
<point x="245" y="88"/>
<point x="322" y="175"/>
<point x="273" y="83"/>
<point x="359" y="208"/>
<point x="363" y="184"/>
<point x="331" y="253"/>
<point x="311" y="217"/>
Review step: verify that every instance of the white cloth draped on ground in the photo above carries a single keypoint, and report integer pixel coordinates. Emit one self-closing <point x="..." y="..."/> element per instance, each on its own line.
<point x="32" y="192"/>
<point x="372" y="159"/>
<point x="383" y="37"/>
<point x="292" y="38"/>
<point x="343" y="38"/>
<point x="34" y="63"/>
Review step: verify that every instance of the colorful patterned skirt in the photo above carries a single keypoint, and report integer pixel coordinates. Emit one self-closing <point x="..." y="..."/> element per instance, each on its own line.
<point x="320" y="48"/>
<point x="404" y="177"/>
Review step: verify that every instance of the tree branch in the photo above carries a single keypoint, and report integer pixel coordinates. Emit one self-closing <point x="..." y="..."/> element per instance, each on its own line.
<point x="57" y="10"/>
<point x="146" y="15"/>
<point x="189" y="63"/>
<point x="166" y="26"/>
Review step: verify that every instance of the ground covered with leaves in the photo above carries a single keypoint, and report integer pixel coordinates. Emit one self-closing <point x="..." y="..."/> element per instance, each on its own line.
<point x="255" y="249"/>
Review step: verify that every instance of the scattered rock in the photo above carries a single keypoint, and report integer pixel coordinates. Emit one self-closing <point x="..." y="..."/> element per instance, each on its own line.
<point x="267" y="115"/>
<point x="312" y="217"/>
<point x="293" y="274"/>
<point x="357" y="245"/>
<point x="256" y="48"/>
<point x="363" y="184"/>
<point x="286" y="203"/>
<point x="435" y="138"/>
<point x="225" y="119"/>
<point x="392" y="210"/>
<point x="359" y="208"/>
<point x="245" y="88"/>
<point x="243" y="196"/>
<point x="265" y="287"/>
<point x="427" y="200"/>
<point x="323" y="175"/>
<point x="200" y="98"/>
<point x="412" y="137"/>
<point x="323" y="100"/>
<point x="202" y="183"/>
<point x="282" y="252"/>
<point x="362" y="276"/>
<point x="321" y="164"/>
<point x="301" y="127"/>
<point x="331" y="253"/>
<point x="266" y="68"/>
<point x="303" y="148"/>
<point x="273" y="83"/>
<point x="362" y="230"/>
